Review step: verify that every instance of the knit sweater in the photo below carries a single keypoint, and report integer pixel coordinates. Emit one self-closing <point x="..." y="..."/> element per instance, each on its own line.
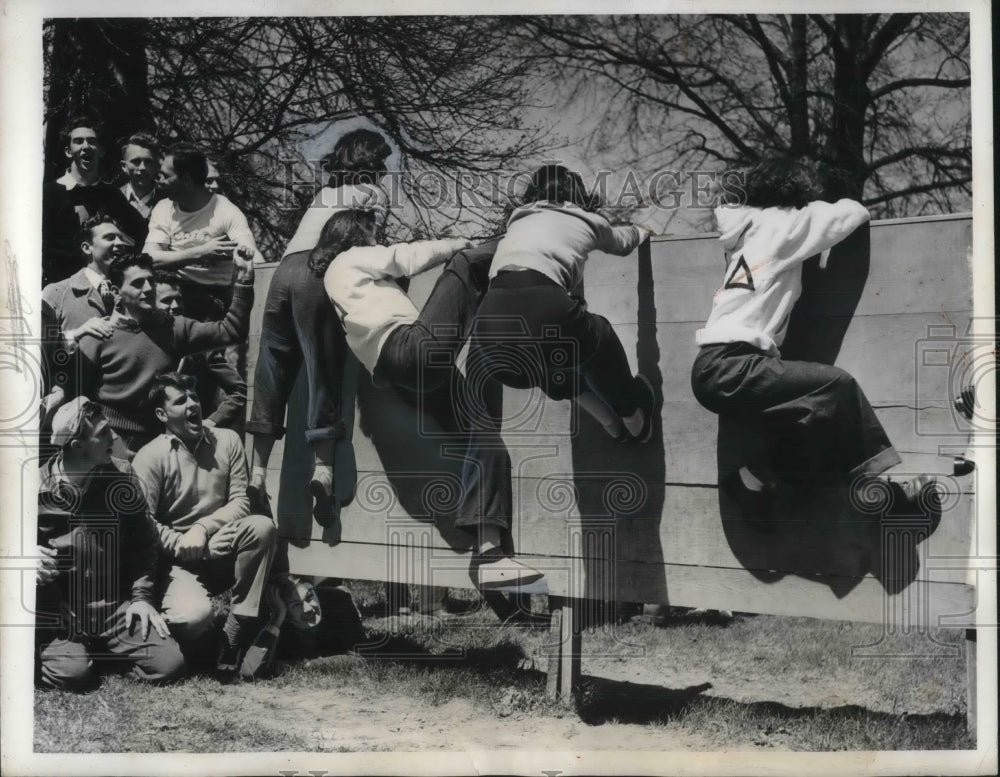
<point x="555" y="240"/>
<point x="117" y="372"/>
<point x="184" y="488"/>
<point x="330" y="200"/>
<point x="361" y="284"/>
<point x="765" y="249"/>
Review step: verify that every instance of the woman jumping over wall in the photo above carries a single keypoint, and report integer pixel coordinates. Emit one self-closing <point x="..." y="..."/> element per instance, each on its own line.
<point x="532" y="331"/>
<point x="739" y="371"/>
<point x="300" y="325"/>
<point x="415" y="351"/>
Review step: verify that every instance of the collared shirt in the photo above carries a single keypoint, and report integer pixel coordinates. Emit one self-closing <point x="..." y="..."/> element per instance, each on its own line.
<point x="144" y="205"/>
<point x="204" y="485"/>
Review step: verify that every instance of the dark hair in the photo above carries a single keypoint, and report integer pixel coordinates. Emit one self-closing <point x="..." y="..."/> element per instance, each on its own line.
<point x="81" y="120"/>
<point x="189" y="160"/>
<point x="358" y="157"/>
<point x="86" y="233"/>
<point x="783" y="182"/>
<point x="158" y="388"/>
<point x="116" y="272"/>
<point x="555" y="183"/>
<point x="143" y="140"/>
<point x="344" y="229"/>
<point x="168" y="277"/>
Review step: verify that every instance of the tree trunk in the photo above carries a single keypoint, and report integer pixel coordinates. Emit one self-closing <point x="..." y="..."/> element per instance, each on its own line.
<point x="96" y="66"/>
<point x="852" y="97"/>
<point x="797" y="86"/>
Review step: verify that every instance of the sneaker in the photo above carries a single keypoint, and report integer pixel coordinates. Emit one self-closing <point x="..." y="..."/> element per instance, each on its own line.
<point x="326" y="510"/>
<point x="260" y="502"/>
<point x="258" y="659"/>
<point x="755" y="506"/>
<point x="494" y="569"/>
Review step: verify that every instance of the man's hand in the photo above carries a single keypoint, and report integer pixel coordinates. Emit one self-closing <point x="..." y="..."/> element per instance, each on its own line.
<point x="97" y="326"/>
<point x="243" y="259"/>
<point x="221" y="543"/>
<point x="148" y="616"/>
<point x="218" y="247"/>
<point x="48" y="569"/>
<point x="192" y="545"/>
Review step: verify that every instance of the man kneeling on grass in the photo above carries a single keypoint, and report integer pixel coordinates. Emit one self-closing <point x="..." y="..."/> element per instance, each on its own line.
<point x="97" y="561"/>
<point x="195" y="479"/>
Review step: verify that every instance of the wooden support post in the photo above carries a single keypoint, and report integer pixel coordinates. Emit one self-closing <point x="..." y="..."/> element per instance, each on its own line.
<point x="970" y="675"/>
<point x="563" y="680"/>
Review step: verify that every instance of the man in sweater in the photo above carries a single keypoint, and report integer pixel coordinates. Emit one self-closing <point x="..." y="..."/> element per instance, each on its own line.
<point x="97" y="561"/>
<point x="195" y="481"/>
<point x="80" y="194"/>
<point x="118" y="371"/>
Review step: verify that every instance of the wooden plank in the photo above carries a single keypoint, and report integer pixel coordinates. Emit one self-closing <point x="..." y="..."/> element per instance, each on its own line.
<point x="919" y="607"/>
<point x="678" y="525"/>
<point x="913" y="268"/>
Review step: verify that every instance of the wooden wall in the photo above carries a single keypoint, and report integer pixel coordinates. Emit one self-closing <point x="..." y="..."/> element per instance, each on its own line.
<point x="647" y="522"/>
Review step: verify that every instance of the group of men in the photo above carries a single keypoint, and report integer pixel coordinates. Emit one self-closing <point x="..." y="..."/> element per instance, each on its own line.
<point x="142" y="510"/>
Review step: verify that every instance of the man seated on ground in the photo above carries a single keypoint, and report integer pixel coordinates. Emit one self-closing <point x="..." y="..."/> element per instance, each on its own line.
<point x="195" y="481"/>
<point x="140" y="163"/>
<point x="119" y="371"/>
<point x="81" y="304"/>
<point x="97" y="548"/>
<point x="221" y="390"/>
<point x="77" y="196"/>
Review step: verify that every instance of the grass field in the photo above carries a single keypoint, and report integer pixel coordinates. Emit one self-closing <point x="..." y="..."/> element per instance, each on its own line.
<point x="692" y="682"/>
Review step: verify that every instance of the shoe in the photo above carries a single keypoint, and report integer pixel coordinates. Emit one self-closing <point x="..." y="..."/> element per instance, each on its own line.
<point x="649" y="406"/>
<point x="260" y="503"/>
<point x="326" y="509"/>
<point x="229" y="660"/>
<point x="755" y="506"/>
<point x="915" y="498"/>
<point x="259" y="657"/>
<point x="494" y="569"/>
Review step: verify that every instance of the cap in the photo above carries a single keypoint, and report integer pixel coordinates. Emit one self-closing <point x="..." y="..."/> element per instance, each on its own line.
<point x="66" y="421"/>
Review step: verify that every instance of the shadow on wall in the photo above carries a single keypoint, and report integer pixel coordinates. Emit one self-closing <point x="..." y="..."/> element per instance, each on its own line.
<point x="817" y="534"/>
<point x="621" y="486"/>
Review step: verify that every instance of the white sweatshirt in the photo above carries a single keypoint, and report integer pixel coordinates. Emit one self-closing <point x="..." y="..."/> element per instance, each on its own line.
<point x="765" y="249"/>
<point x="360" y="283"/>
<point x="555" y="239"/>
<point x="364" y="196"/>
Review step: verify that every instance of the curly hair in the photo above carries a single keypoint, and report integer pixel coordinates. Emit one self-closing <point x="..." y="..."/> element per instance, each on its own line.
<point x="358" y="157"/>
<point x="783" y="182"/>
<point x="556" y="183"/>
<point x="116" y="272"/>
<point x="343" y="230"/>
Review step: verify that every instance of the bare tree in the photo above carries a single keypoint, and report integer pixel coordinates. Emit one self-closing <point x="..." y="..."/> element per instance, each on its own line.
<point x="885" y="98"/>
<point x="443" y="88"/>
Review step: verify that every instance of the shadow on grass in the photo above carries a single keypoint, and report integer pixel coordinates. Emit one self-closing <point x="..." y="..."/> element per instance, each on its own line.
<point x="605" y="701"/>
<point x="403" y="649"/>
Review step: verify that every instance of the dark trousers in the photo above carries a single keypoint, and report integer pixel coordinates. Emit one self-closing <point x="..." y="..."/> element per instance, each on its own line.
<point x="531" y="333"/>
<point x="818" y="409"/>
<point x="420" y="357"/>
<point x="300" y="326"/>
<point x="66" y="659"/>
<point x="210" y="303"/>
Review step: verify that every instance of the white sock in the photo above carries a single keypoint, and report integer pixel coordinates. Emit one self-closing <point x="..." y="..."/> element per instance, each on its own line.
<point x="750" y="480"/>
<point x="634" y="422"/>
<point x="259" y="474"/>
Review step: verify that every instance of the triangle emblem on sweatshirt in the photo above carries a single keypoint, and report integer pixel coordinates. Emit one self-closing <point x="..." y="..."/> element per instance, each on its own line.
<point x="744" y="282"/>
